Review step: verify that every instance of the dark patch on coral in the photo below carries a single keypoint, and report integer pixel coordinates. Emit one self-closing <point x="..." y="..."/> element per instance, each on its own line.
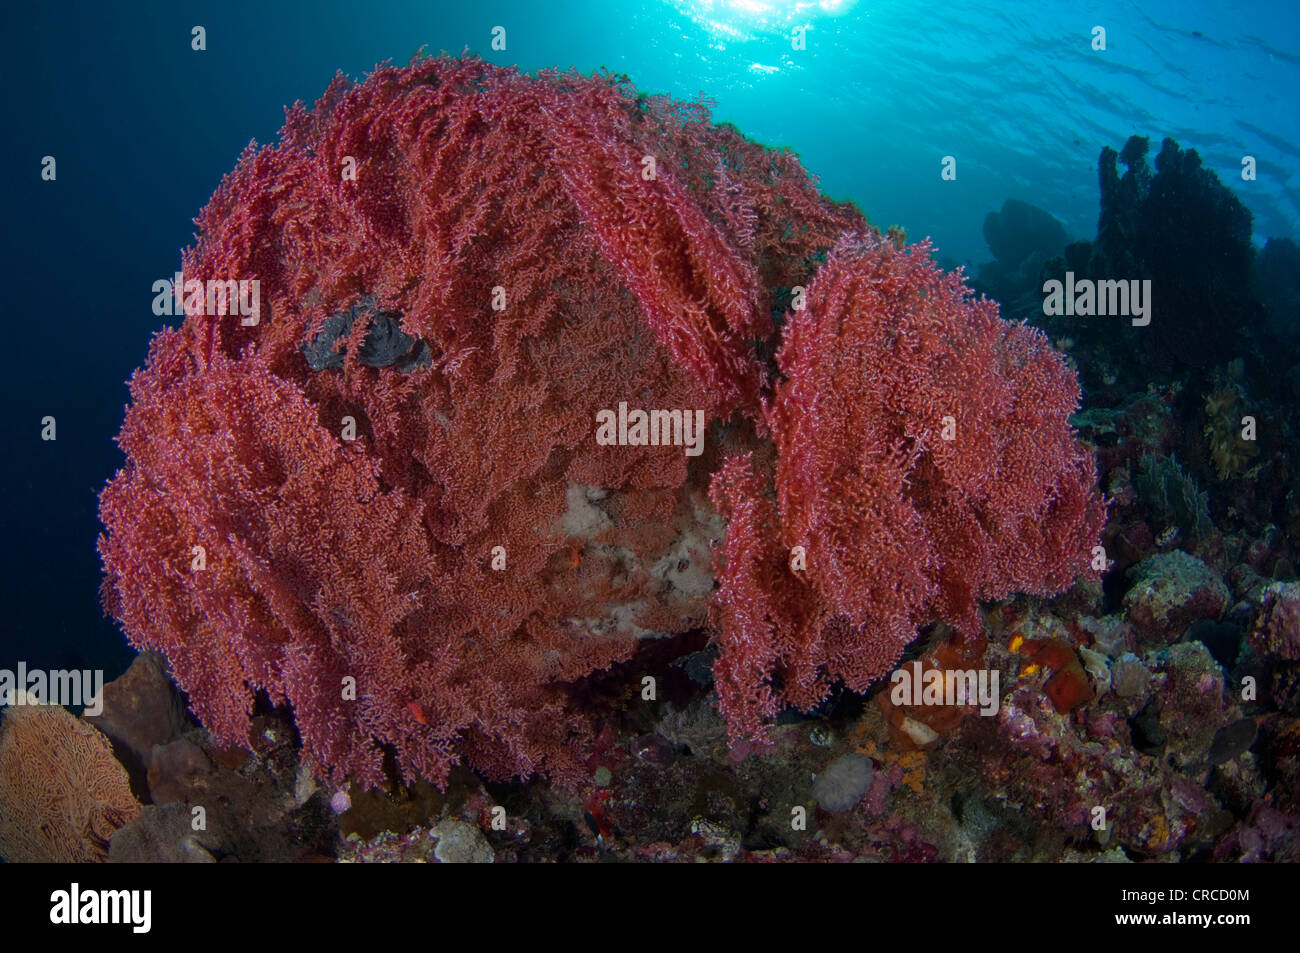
<point x="385" y="343"/>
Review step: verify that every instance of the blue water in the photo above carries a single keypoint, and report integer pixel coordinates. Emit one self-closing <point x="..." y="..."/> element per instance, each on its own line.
<point x="143" y="127"/>
<point x="1013" y="91"/>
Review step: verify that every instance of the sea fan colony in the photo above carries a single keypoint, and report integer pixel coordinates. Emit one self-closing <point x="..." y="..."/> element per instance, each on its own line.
<point x="384" y="505"/>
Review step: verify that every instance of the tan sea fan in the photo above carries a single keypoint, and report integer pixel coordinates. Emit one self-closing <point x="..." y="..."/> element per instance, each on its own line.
<point x="62" y="793"/>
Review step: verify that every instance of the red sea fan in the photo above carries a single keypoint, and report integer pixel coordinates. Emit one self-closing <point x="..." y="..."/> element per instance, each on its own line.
<point x="383" y="505"/>
<point x="407" y="530"/>
<point x="924" y="462"/>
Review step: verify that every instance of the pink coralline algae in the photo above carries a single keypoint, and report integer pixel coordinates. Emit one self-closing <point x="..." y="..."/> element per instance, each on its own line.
<point x="382" y="504"/>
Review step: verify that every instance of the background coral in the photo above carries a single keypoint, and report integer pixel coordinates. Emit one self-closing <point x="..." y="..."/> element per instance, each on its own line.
<point x="1173" y="495"/>
<point x="1226" y="405"/>
<point x="1189" y="234"/>
<point x="62" y="794"/>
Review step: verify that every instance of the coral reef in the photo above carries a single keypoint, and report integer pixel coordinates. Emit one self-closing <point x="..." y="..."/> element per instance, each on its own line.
<point x="1226" y="409"/>
<point x="423" y="614"/>
<point x="62" y="793"/>
<point x="1183" y="764"/>
<point x="924" y="463"/>
<point x="1277" y="628"/>
<point x="1172" y="590"/>
<point x="1173" y="495"/>
<point x="378" y="500"/>
<point x="473" y="549"/>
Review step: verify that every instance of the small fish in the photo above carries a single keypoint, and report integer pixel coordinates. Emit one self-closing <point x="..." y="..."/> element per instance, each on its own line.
<point x="418" y="712"/>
